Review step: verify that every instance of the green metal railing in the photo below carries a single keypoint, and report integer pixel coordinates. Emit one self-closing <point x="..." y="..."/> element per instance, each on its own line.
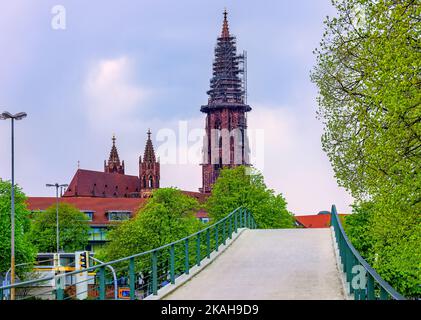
<point x="362" y="280"/>
<point x="142" y="274"/>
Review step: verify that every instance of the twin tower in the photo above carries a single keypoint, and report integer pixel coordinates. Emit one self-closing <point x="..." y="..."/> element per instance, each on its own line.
<point x="149" y="167"/>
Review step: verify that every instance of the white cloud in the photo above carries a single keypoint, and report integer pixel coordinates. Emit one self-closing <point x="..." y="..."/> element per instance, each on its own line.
<point x="112" y="94"/>
<point x="294" y="163"/>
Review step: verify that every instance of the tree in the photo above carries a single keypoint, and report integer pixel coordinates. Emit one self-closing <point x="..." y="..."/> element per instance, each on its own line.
<point x="358" y="229"/>
<point x="368" y="75"/>
<point x="25" y="252"/>
<point x="73" y="229"/>
<point x="241" y="186"/>
<point x="168" y="216"/>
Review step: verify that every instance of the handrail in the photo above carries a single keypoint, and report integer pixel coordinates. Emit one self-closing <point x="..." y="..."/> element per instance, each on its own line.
<point x="240" y="211"/>
<point x="351" y="257"/>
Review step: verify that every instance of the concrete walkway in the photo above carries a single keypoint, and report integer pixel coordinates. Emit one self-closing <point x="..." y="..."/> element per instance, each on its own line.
<point x="270" y="264"/>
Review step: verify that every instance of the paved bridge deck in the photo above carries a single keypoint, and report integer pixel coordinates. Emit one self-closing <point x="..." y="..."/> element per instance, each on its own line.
<point x="270" y="264"/>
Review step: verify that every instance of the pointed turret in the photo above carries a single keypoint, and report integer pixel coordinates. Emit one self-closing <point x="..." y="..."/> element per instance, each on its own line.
<point x="114" y="165"/>
<point x="149" y="169"/>
<point x="149" y="154"/>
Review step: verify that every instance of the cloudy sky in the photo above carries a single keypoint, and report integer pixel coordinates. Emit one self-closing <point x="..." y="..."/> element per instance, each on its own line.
<point x="125" y="66"/>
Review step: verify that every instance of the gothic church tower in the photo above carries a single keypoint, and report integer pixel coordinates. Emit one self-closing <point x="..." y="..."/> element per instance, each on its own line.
<point x="225" y="143"/>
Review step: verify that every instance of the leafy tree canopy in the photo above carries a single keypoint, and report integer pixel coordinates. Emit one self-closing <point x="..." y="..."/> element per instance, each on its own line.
<point x="73" y="229"/>
<point x="24" y="251"/>
<point x="242" y="186"/>
<point x="368" y="75"/>
<point x="168" y="216"/>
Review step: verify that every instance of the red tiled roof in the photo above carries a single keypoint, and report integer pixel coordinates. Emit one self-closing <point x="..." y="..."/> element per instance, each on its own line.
<point x="100" y="206"/>
<point x="87" y="183"/>
<point x="315" y="221"/>
<point x="202" y="214"/>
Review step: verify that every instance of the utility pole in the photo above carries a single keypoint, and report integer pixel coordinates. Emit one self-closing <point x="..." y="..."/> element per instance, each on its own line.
<point x="57" y="186"/>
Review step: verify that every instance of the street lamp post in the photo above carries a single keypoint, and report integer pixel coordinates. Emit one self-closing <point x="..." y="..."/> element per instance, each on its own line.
<point x="18" y="116"/>
<point x="57" y="186"/>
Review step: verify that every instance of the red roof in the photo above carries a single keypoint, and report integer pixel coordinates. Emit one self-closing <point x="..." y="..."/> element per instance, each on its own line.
<point x="100" y="206"/>
<point x="202" y="214"/>
<point x="87" y="183"/>
<point x="315" y="221"/>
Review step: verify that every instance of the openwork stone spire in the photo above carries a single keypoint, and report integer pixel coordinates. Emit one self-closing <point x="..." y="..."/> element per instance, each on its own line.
<point x="114" y="165"/>
<point x="225" y="30"/>
<point x="227" y="85"/>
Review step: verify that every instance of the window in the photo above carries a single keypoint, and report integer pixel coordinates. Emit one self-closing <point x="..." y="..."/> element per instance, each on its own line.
<point x="89" y="214"/>
<point x="204" y="220"/>
<point x="119" y="215"/>
<point x="97" y="234"/>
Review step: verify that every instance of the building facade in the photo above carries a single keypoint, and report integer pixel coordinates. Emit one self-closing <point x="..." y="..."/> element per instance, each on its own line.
<point x="225" y="143"/>
<point x="113" y="182"/>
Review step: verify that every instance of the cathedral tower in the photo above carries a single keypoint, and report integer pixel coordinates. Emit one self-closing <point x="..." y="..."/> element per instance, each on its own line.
<point x="114" y="165"/>
<point x="225" y="143"/>
<point x="149" y="169"/>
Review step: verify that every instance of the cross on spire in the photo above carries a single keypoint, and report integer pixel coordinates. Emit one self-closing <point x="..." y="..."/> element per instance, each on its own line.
<point x="149" y="134"/>
<point x="225" y="30"/>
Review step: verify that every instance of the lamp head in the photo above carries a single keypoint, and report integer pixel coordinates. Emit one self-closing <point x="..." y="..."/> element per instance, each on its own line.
<point x="20" y="115"/>
<point x="7" y="115"/>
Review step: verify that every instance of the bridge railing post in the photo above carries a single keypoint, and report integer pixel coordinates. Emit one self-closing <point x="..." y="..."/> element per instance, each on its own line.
<point x="245" y="218"/>
<point x="172" y="263"/>
<point x="59" y="287"/>
<point x="224" y="232"/>
<point x="186" y="256"/>
<point x="208" y="243"/>
<point x="236" y="221"/>
<point x="370" y="287"/>
<point x="155" y="273"/>
<point x="229" y="227"/>
<point x="198" y="253"/>
<point x="102" y="283"/>
<point x="216" y="238"/>
<point x="132" y="279"/>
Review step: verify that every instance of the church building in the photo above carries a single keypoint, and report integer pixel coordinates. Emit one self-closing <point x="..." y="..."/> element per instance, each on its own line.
<point x="113" y="182"/>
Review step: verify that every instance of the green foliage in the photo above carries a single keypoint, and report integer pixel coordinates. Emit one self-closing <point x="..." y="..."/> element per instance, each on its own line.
<point x="368" y="75"/>
<point x="236" y="187"/>
<point x="358" y="229"/>
<point x="24" y="250"/>
<point x="168" y="216"/>
<point x="73" y="229"/>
